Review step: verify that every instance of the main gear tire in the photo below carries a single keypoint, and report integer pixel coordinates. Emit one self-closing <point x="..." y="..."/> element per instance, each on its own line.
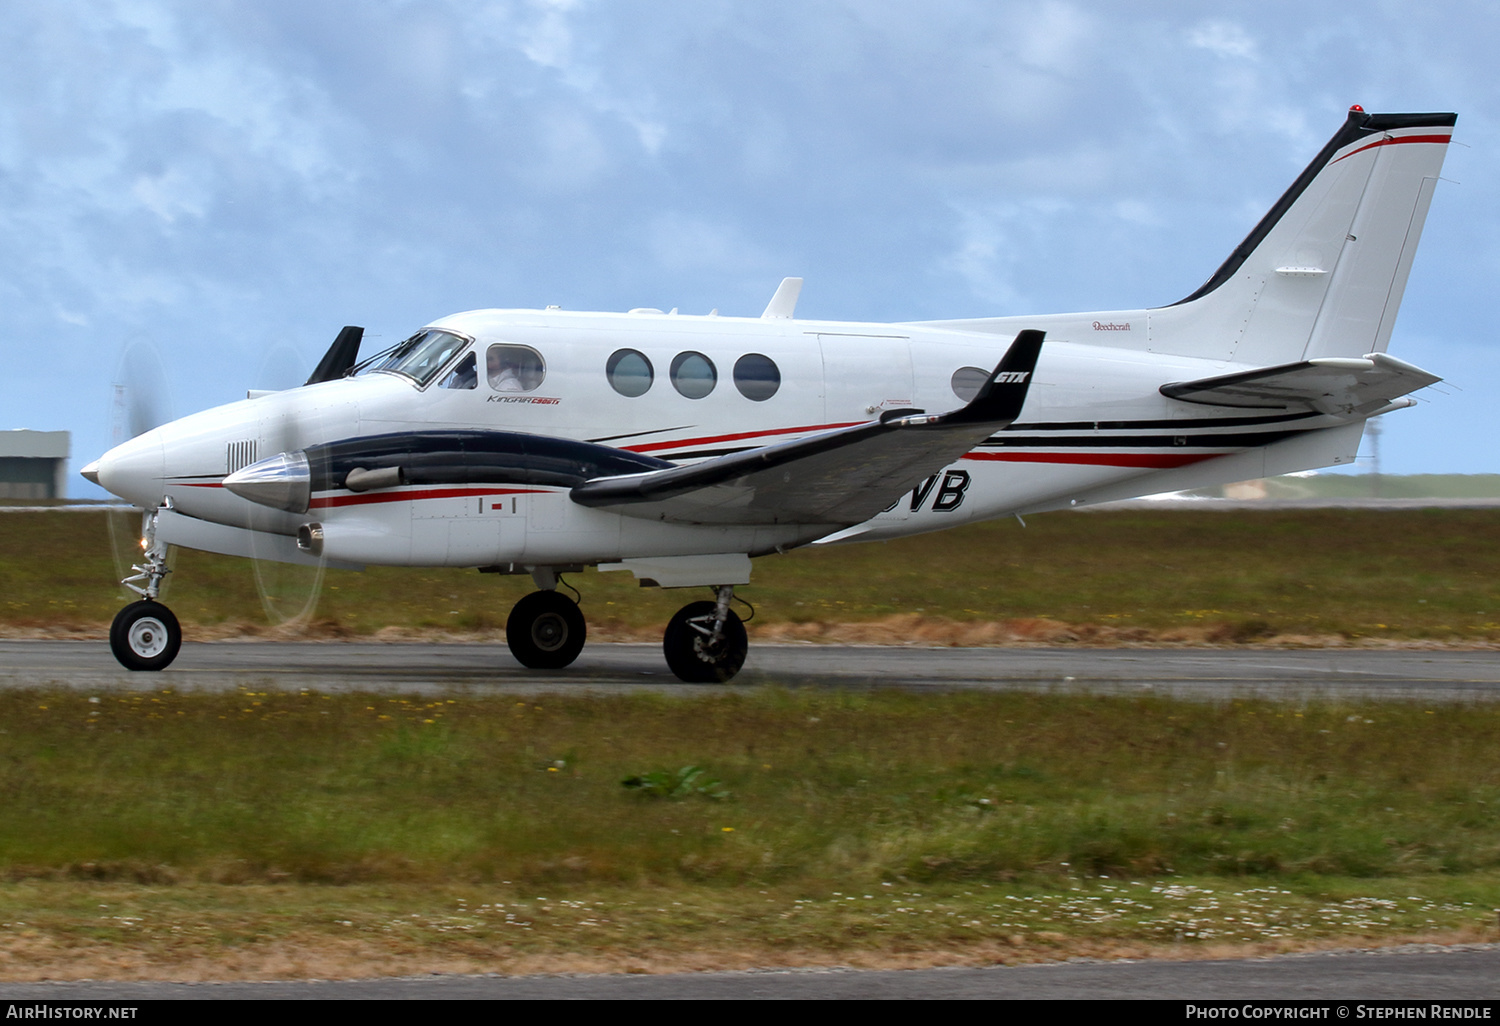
<point x="545" y="631"/>
<point x="692" y="654"/>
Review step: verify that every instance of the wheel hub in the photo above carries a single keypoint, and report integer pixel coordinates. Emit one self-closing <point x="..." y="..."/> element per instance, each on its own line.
<point x="148" y="637"/>
<point x="549" y="632"/>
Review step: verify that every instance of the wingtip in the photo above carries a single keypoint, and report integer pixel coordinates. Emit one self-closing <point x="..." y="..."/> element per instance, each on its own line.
<point x="1003" y="395"/>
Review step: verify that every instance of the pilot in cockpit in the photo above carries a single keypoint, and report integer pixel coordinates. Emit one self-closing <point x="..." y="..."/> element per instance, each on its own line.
<point x="465" y="375"/>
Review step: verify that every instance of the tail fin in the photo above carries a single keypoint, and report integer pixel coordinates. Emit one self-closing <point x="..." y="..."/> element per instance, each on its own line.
<point x="1322" y="274"/>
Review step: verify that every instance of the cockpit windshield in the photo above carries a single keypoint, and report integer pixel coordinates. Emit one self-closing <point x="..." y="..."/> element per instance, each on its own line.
<point x="421" y="356"/>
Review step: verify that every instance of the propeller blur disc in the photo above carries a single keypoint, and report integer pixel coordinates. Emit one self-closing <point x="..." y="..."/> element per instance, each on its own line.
<point x="288" y="591"/>
<point x="141" y="399"/>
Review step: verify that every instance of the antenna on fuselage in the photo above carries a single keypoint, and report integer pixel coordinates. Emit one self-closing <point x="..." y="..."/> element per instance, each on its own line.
<point x="341" y="356"/>
<point x="784" y="302"/>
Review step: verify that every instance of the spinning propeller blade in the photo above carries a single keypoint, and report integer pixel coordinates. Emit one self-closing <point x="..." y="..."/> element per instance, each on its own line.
<point x="289" y="592"/>
<point x="141" y="397"/>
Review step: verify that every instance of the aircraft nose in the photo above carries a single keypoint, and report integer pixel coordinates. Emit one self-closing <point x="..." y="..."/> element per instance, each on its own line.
<point x="135" y="470"/>
<point x="282" y="482"/>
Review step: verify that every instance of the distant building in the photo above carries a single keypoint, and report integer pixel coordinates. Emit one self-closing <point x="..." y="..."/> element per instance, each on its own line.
<point x="33" y="464"/>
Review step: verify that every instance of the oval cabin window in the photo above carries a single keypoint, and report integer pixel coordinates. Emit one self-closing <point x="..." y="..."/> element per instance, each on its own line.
<point x="693" y="375"/>
<point x="757" y="377"/>
<point x="629" y="372"/>
<point x="967" y="381"/>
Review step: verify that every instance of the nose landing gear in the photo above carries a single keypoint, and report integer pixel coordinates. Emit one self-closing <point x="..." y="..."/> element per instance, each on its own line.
<point x="705" y="642"/>
<point x="145" y="635"/>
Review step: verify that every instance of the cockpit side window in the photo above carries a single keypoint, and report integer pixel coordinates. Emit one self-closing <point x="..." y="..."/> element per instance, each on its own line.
<point x="465" y="375"/>
<point x="423" y="355"/>
<point x="514" y="368"/>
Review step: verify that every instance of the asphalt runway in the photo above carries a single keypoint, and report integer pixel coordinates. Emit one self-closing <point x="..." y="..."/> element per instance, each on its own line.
<point x="1414" y="973"/>
<point x="1405" y="674"/>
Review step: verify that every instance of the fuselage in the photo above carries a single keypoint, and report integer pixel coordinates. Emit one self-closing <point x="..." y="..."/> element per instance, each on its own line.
<point x="689" y="388"/>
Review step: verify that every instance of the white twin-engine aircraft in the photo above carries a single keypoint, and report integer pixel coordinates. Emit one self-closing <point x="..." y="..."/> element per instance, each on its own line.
<point x="680" y="447"/>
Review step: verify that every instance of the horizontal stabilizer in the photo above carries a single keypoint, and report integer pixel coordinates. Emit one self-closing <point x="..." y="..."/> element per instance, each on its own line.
<point x="838" y="478"/>
<point x="1337" y="386"/>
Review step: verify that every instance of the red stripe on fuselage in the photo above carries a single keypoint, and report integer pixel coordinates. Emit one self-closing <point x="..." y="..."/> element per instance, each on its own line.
<point x="709" y="440"/>
<point x="1149" y="460"/>
<point x="327" y="501"/>
<point x="1399" y="139"/>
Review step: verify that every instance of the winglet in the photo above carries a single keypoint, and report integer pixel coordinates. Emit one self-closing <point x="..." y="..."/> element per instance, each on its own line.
<point x="784" y="302"/>
<point x="1004" y="394"/>
<point x="340" y="356"/>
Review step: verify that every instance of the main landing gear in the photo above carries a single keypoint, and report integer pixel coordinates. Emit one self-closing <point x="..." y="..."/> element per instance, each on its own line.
<point x="705" y="642"/>
<point x="145" y="634"/>
<point x="545" y="631"/>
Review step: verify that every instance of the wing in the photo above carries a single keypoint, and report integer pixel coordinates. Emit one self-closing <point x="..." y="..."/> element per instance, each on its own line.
<point x="1338" y="386"/>
<point x="839" y="478"/>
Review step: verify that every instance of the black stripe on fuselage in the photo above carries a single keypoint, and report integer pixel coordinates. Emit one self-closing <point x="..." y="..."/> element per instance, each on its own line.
<point x="641" y="434"/>
<point x="1179" y="424"/>
<point x="1237" y="440"/>
<point x="1221" y="441"/>
<point x="1013" y="437"/>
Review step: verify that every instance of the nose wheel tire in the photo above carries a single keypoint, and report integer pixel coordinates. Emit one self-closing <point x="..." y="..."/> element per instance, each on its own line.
<point x="691" y="651"/>
<point x="145" y="636"/>
<point x="545" y="631"/>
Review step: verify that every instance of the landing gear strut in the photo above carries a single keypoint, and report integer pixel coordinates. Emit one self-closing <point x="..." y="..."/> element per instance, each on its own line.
<point x="145" y="634"/>
<point x="705" y="642"/>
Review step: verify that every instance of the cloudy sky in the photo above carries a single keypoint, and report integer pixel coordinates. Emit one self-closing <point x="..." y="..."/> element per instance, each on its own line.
<point x="225" y="184"/>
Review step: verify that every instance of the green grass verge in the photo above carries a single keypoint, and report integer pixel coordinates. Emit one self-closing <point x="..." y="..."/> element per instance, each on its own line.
<point x="396" y="834"/>
<point x="823" y="789"/>
<point x="1224" y="576"/>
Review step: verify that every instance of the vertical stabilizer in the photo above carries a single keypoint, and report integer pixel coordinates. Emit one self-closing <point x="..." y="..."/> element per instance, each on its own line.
<point x="1323" y="272"/>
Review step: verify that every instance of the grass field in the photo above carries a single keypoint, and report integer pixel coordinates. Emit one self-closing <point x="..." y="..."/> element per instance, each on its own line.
<point x="1224" y="577"/>
<point x="275" y="835"/>
<point x="169" y="831"/>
